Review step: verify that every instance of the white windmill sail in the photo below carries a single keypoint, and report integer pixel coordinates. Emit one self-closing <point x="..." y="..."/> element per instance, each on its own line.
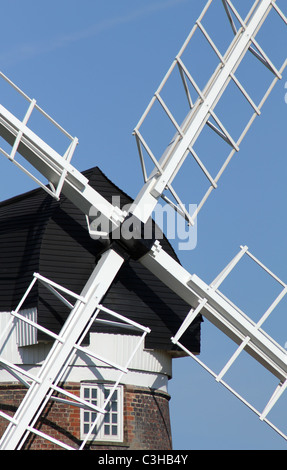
<point x="63" y="177"/>
<point x="202" y="110"/>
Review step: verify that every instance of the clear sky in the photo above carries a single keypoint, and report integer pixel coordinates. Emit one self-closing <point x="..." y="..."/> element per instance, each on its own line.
<point x="93" y="66"/>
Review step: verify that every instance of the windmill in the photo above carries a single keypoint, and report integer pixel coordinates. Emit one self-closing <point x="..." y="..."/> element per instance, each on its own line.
<point x="64" y="178"/>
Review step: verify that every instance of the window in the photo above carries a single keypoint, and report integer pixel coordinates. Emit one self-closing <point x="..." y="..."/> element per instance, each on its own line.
<point x="110" y="425"/>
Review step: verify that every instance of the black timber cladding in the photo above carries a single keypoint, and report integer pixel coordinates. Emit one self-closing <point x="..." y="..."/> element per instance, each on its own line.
<point x="39" y="234"/>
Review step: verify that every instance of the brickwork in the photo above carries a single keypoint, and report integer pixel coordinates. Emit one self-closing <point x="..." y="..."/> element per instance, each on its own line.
<point x="11" y="396"/>
<point x="146" y="419"/>
<point x="59" y="421"/>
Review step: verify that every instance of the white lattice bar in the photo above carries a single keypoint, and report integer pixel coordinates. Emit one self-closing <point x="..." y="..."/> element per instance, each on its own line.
<point x="230" y="389"/>
<point x="218" y="310"/>
<point x="168" y="165"/>
<point x="61" y="176"/>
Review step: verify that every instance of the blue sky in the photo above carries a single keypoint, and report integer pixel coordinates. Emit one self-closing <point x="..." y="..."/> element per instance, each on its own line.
<point x="94" y="66"/>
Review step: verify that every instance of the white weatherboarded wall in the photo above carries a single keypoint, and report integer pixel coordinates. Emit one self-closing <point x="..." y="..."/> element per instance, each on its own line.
<point x="148" y="368"/>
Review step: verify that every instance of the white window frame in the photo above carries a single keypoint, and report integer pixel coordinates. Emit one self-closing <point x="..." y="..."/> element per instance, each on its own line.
<point x="105" y="423"/>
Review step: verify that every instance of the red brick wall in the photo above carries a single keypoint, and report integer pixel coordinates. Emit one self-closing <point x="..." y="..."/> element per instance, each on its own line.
<point x="58" y="420"/>
<point x="146" y="419"/>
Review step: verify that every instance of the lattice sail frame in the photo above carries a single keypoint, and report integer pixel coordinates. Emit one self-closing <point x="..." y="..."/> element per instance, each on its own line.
<point x="205" y="100"/>
<point x="31" y="380"/>
<point x="246" y="340"/>
<point x="19" y="130"/>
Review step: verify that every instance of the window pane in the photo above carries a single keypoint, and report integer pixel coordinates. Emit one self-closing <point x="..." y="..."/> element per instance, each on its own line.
<point x="97" y="395"/>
